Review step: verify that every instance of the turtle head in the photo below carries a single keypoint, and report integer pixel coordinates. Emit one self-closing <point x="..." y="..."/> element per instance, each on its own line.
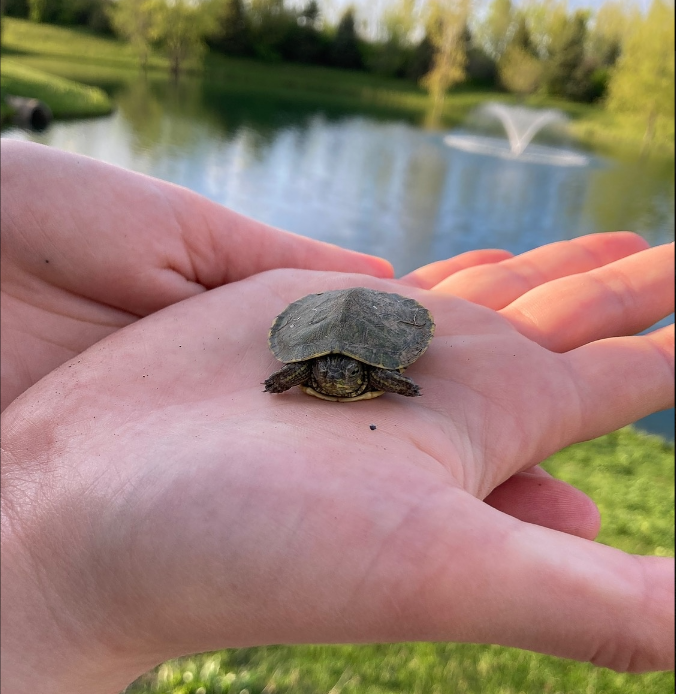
<point x="338" y="375"/>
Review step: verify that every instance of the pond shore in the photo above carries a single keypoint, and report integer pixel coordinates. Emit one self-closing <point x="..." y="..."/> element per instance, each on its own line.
<point x="33" y="52"/>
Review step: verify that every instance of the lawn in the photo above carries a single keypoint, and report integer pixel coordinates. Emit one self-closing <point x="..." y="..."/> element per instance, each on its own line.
<point x="65" y="97"/>
<point x="107" y="63"/>
<point x="631" y="478"/>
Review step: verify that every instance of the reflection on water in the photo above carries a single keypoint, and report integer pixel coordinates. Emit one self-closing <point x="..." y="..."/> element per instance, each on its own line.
<point x="381" y="186"/>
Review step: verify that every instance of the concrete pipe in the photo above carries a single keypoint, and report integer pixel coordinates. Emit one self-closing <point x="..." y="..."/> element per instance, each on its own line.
<point x="29" y="113"/>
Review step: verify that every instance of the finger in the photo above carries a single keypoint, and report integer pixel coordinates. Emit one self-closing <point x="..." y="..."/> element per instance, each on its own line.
<point x="430" y="275"/>
<point x="565" y="596"/>
<point x="536" y="497"/>
<point x="489" y="578"/>
<point x="620" y="298"/>
<point x="137" y="243"/>
<point x="497" y="285"/>
<point x="621" y="380"/>
<point x="245" y="247"/>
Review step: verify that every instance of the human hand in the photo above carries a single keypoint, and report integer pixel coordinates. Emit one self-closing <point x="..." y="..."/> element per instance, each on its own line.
<point x="100" y="246"/>
<point x="120" y="246"/>
<point x="158" y="503"/>
<point x="532" y="495"/>
<point x="88" y="248"/>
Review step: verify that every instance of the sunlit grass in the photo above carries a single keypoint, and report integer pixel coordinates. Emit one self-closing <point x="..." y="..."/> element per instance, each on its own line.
<point x="631" y="478"/>
<point x="64" y="97"/>
<point x="28" y="38"/>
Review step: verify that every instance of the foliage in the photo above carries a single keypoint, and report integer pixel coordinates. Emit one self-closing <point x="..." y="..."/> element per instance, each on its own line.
<point x="642" y="84"/>
<point x="36" y="10"/>
<point x="82" y="56"/>
<point x="138" y="21"/>
<point x="344" y="52"/>
<point x="496" y="29"/>
<point x="269" y="23"/>
<point x="520" y="69"/>
<point x="232" y="34"/>
<point x="566" y="55"/>
<point x="89" y="13"/>
<point x="420" y="59"/>
<point x="182" y="27"/>
<point x="390" y="55"/>
<point x="575" y="50"/>
<point x="179" y="26"/>
<point x="446" y="27"/>
<point x="14" y="8"/>
<point x="304" y="41"/>
<point x="611" y="26"/>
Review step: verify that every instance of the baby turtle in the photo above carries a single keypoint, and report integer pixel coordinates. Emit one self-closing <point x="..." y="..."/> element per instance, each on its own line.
<point x="349" y="344"/>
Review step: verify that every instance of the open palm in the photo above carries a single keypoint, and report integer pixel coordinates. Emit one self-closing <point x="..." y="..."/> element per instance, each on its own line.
<point x="207" y="513"/>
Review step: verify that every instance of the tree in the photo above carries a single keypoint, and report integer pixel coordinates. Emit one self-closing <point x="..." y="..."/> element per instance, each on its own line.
<point x="642" y="83"/>
<point x="566" y="57"/>
<point x="420" y="61"/>
<point x="137" y="21"/>
<point x="303" y="41"/>
<point x="546" y="20"/>
<point x="182" y="29"/>
<point x="36" y="10"/>
<point x="15" y="8"/>
<point x="610" y="28"/>
<point x="232" y="35"/>
<point x="519" y="68"/>
<point x="494" y="31"/>
<point x="389" y="56"/>
<point x="520" y="72"/>
<point x="344" y="52"/>
<point x="446" y="26"/>
<point x="310" y="14"/>
<point x="270" y="23"/>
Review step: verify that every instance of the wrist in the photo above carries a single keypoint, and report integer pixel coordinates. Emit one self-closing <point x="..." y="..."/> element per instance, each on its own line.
<point x="48" y="644"/>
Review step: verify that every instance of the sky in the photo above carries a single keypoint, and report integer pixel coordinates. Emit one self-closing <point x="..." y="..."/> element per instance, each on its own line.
<point x="369" y="10"/>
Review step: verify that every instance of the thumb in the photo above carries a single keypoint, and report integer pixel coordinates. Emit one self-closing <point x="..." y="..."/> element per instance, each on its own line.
<point x="243" y="247"/>
<point x="550" y="592"/>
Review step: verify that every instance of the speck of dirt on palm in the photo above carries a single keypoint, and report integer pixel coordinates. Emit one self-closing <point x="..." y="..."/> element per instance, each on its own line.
<point x="372" y="427"/>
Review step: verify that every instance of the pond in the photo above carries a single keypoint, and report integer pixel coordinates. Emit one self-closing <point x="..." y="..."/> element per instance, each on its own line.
<point x="374" y="183"/>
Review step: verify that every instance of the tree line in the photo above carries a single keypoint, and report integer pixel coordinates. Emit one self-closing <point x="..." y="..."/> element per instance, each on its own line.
<point x="538" y="46"/>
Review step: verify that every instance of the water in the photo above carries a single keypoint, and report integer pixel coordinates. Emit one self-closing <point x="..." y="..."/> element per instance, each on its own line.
<point x="522" y="124"/>
<point x="377" y="184"/>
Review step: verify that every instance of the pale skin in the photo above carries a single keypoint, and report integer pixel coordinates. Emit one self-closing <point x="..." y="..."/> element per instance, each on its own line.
<point x="157" y="503"/>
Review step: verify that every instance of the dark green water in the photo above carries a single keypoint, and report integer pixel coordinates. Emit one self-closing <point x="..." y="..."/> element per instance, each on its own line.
<point x="377" y="183"/>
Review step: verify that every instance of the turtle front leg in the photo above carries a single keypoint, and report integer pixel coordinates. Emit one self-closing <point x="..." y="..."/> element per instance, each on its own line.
<point x="287" y="377"/>
<point x="393" y="381"/>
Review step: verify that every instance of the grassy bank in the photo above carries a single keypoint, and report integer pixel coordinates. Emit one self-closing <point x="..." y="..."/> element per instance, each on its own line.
<point x="631" y="478"/>
<point x="65" y="98"/>
<point x="108" y="63"/>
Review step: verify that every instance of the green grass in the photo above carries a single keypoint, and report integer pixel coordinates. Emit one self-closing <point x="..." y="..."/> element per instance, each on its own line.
<point x="24" y="38"/>
<point x="629" y="475"/>
<point x="64" y="97"/>
<point x="109" y="63"/>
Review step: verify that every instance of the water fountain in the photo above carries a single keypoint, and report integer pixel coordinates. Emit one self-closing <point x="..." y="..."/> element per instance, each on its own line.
<point x="521" y="125"/>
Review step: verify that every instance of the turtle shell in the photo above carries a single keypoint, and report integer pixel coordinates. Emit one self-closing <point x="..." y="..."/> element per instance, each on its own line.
<point x="381" y="329"/>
